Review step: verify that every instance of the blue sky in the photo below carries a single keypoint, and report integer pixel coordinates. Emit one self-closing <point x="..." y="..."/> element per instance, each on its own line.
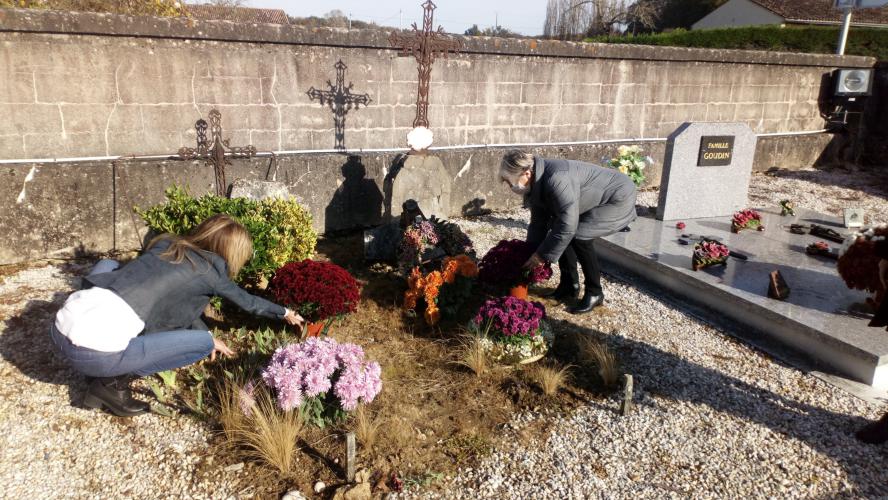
<point x="523" y="16"/>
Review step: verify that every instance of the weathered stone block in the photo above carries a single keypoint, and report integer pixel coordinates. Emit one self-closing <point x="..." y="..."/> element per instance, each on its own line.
<point x="31" y="118"/>
<point x="16" y="87"/>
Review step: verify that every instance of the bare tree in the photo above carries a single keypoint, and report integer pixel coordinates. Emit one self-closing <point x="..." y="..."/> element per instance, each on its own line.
<point x="566" y="19"/>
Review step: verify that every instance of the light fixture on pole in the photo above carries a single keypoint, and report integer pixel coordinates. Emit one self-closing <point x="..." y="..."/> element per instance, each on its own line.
<point x="847" y="7"/>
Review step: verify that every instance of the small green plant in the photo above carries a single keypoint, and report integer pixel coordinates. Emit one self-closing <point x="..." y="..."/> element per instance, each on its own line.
<point x="423" y="480"/>
<point x="281" y="229"/>
<point x="169" y="378"/>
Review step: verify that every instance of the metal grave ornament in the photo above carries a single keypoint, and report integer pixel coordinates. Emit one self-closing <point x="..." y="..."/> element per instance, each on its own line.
<point x="215" y="150"/>
<point x="425" y="45"/>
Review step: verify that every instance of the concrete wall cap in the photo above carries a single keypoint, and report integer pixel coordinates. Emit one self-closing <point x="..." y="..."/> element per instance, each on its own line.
<point x="88" y="23"/>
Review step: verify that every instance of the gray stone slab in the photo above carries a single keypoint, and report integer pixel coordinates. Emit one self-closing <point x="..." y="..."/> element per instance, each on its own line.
<point x="425" y="179"/>
<point x="255" y="189"/>
<point x="689" y="191"/>
<point x="818" y="319"/>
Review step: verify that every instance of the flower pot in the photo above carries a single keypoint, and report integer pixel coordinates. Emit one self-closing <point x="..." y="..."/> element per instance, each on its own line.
<point x="697" y="264"/>
<point x="510" y="355"/>
<point x="314" y="329"/>
<point x="519" y="292"/>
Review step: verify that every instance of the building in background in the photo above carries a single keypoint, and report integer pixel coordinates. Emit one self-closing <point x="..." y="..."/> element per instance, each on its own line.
<point x="737" y="13"/>
<point x="238" y="14"/>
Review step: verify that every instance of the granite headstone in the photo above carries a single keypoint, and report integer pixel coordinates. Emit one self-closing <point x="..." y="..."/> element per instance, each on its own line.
<point x="707" y="171"/>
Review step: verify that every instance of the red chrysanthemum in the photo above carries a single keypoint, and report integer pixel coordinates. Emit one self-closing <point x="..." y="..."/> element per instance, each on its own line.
<point x="317" y="290"/>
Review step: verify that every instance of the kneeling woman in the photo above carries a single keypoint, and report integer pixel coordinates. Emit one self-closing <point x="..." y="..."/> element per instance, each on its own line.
<point x="571" y="204"/>
<point x="145" y="317"/>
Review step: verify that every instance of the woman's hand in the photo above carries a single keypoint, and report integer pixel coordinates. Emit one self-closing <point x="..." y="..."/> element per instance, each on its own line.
<point x="294" y="319"/>
<point x="221" y="348"/>
<point x="533" y="262"/>
<point x="883" y="272"/>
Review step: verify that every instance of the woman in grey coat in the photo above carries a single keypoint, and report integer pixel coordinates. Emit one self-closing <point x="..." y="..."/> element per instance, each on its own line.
<point x="571" y="204"/>
<point x="145" y="317"/>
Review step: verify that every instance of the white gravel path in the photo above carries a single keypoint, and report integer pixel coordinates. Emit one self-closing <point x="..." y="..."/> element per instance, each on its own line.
<point x="50" y="449"/>
<point x="715" y="419"/>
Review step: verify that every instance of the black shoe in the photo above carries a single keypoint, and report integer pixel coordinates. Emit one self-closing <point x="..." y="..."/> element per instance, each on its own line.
<point x="113" y="394"/>
<point x="875" y="432"/>
<point x="588" y="303"/>
<point x="563" y="293"/>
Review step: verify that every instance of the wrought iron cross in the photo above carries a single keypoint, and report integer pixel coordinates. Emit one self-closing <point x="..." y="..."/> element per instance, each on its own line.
<point x="215" y="149"/>
<point x="340" y="100"/>
<point x="425" y="45"/>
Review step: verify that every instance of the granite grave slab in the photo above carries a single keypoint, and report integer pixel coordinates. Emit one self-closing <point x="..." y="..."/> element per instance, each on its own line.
<point x="821" y="318"/>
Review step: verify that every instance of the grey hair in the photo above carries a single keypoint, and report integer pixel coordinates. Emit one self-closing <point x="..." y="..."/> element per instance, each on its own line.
<point x="514" y="164"/>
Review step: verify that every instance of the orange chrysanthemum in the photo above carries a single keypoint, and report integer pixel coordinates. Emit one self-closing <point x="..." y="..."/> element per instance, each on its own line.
<point x="410" y="298"/>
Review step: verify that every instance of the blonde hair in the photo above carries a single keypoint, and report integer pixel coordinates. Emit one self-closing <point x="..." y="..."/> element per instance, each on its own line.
<point x="514" y="164"/>
<point x="220" y="234"/>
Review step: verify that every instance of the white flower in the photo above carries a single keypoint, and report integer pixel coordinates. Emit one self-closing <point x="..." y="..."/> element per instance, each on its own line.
<point x="622" y="150"/>
<point x="420" y="138"/>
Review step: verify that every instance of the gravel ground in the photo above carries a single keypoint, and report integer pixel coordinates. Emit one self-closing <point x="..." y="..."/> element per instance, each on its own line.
<point x="714" y="417"/>
<point x="50" y="449"/>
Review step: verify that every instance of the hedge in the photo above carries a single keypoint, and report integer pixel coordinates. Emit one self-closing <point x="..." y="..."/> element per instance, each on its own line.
<point x="805" y="39"/>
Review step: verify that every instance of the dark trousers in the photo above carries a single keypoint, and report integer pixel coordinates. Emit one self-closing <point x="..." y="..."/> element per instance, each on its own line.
<point x="582" y="251"/>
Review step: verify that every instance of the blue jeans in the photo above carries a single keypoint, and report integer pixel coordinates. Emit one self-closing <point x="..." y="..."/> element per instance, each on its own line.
<point x="146" y="354"/>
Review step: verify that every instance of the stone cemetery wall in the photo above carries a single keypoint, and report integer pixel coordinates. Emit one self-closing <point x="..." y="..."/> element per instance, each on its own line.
<point x="87" y="85"/>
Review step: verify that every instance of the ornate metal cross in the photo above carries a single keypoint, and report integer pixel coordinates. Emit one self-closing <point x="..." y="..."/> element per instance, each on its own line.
<point x="214" y="151"/>
<point x="425" y="45"/>
<point x="340" y="100"/>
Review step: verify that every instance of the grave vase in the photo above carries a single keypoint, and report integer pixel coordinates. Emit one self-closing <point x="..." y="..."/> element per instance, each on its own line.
<point x="519" y="292"/>
<point x="315" y="328"/>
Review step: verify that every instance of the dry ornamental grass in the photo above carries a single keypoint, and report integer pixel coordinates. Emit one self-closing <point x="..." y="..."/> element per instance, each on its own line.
<point x="473" y="355"/>
<point x="549" y="378"/>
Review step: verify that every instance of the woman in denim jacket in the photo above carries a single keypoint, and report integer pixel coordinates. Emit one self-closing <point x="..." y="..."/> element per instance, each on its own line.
<point x="145" y="317"/>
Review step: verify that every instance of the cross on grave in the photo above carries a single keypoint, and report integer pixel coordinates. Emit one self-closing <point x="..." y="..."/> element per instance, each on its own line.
<point x="340" y="100"/>
<point x="425" y="45"/>
<point x="215" y="150"/>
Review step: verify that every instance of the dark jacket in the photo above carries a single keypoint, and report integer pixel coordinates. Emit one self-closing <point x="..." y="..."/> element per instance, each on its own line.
<point x="169" y="296"/>
<point x="572" y="199"/>
<point x="881" y="317"/>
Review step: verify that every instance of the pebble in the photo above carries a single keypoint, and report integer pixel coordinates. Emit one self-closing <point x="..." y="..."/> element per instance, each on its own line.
<point x="319" y="486"/>
<point x="713" y="418"/>
<point x="295" y="495"/>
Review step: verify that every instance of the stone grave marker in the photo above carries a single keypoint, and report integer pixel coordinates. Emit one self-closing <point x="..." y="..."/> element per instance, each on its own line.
<point x="706" y="172"/>
<point x="425" y="179"/>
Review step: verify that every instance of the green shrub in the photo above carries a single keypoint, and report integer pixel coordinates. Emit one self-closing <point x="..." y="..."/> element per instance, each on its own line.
<point x="805" y="39"/>
<point x="281" y="229"/>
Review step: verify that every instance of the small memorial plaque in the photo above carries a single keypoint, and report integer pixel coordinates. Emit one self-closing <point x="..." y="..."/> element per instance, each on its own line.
<point x="716" y="150"/>
<point x="853" y="217"/>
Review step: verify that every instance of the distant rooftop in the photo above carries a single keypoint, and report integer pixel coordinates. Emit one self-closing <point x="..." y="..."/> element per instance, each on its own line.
<point x="821" y="11"/>
<point x="238" y="14"/>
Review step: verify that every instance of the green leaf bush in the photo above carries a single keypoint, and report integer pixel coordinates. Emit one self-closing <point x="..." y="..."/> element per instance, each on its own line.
<point x="281" y="229"/>
<point x="805" y="39"/>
